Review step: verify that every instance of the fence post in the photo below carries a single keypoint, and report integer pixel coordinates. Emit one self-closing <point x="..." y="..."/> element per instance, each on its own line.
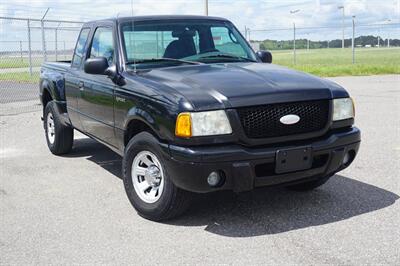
<point x="29" y="46"/>
<point x="43" y="41"/>
<point x="55" y="45"/>
<point x="294" y="43"/>
<point x="352" y="41"/>
<point x="20" y="50"/>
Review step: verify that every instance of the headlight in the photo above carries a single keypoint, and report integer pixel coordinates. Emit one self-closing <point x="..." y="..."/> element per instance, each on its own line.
<point x="202" y="124"/>
<point x="343" y="109"/>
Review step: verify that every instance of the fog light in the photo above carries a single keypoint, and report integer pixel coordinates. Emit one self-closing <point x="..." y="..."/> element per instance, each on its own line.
<point x="214" y="179"/>
<point x="346" y="158"/>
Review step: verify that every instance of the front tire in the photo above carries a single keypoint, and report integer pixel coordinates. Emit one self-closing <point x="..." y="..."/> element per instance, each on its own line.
<point x="147" y="183"/>
<point x="59" y="137"/>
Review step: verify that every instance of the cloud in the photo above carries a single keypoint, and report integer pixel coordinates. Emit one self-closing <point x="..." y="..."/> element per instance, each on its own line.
<point x="255" y="14"/>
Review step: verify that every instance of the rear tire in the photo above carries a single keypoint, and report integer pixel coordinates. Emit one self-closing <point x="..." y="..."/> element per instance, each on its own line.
<point x="307" y="186"/>
<point x="167" y="201"/>
<point x="59" y="137"/>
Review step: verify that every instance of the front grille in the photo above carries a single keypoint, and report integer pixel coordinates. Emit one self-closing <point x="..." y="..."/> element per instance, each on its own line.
<point x="263" y="121"/>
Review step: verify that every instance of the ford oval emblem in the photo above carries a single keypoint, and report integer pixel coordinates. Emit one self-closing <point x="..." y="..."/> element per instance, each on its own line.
<point x="289" y="119"/>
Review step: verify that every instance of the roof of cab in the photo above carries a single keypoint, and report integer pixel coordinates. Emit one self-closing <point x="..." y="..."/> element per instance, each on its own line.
<point x="158" y="17"/>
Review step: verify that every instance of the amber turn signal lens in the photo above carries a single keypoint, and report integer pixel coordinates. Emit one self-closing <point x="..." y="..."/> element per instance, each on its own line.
<point x="354" y="107"/>
<point x="183" y="127"/>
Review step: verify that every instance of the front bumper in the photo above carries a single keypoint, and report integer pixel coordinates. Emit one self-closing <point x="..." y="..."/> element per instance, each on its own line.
<point x="246" y="168"/>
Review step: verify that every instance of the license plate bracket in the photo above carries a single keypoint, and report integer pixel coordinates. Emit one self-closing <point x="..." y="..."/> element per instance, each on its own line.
<point x="291" y="160"/>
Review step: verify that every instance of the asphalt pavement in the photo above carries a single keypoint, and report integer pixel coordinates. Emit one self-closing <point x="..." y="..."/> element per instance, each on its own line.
<point x="72" y="209"/>
<point x="11" y="91"/>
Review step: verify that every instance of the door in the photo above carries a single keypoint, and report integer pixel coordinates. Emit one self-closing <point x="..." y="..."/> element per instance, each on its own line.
<point x="96" y="102"/>
<point x="72" y="79"/>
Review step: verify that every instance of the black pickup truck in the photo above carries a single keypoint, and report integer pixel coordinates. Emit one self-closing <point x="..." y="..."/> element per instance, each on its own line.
<point x="192" y="108"/>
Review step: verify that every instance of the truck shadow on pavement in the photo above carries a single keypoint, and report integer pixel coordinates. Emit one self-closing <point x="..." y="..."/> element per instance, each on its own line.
<point x="267" y="210"/>
<point x="97" y="153"/>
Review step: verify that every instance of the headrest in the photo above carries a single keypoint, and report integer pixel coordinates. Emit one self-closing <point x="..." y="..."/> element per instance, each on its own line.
<point x="181" y="33"/>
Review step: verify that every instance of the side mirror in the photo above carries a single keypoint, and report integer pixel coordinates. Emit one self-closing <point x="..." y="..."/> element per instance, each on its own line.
<point x="96" y="66"/>
<point x="265" y="56"/>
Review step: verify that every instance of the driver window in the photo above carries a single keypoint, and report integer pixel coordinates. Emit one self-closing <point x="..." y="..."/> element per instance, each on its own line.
<point x="225" y="42"/>
<point x="102" y="44"/>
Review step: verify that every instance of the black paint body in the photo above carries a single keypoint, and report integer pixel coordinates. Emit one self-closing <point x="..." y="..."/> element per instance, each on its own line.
<point x="105" y="109"/>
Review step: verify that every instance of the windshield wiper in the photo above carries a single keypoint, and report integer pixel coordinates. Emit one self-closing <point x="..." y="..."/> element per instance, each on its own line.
<point x="155" y="60"/>
<point x="228" y="57"/>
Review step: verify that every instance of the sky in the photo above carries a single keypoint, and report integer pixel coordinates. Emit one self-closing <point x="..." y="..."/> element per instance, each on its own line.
<point x="267" y="15"/>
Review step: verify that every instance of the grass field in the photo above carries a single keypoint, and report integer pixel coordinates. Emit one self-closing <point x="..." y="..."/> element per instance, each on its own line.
<point x="338" y="62"/>
<point x="321" y="62"/>
<point x="18" y="62"/>
<point x="20" y="77"/>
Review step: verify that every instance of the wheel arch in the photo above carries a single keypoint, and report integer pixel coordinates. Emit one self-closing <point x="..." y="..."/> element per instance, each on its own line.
<point x="54" y="84"/>
<point x="46" y="95"/>
<point x="137" y="124"/>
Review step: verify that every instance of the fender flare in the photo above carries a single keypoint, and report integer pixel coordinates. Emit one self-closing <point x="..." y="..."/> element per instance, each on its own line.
<point x="55" y="86"/>
<point x="141" y="115"/>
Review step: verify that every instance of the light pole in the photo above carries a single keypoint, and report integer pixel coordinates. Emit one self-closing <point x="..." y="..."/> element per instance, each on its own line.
<point x="206" y="7"/>
<point x="379" y="38"/>
<point x="388" y="21"/>
<point x="294" y="35"/>
<point x="353" y="40"/>
<point x="294" y="42"/>
<point x="342" y="7"/>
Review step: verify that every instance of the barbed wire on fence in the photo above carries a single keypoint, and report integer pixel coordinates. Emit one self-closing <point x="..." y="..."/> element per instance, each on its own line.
<point x="26" y="42"/>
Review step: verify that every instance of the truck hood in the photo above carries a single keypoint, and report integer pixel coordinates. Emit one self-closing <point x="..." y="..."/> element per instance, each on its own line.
<point x="217" y="86"/>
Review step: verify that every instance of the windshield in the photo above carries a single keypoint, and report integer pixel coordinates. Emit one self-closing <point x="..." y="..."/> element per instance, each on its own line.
<point x="162" y="43"/>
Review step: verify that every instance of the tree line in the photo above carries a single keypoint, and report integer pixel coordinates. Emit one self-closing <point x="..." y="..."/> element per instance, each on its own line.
<point x="337" y="43"/>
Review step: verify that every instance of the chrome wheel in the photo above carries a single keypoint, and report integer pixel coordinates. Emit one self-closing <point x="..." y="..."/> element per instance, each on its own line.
<point x="51" y="129"/>
<point x="147" y="177"/>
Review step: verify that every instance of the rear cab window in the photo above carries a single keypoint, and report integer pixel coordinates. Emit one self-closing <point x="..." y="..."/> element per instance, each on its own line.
<point x="152" y="44"/>
<point x="80" y="48"/>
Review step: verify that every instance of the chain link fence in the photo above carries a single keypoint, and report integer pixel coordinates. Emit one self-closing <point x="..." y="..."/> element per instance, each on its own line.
<point x="317" y="46"/>
<point x="24" y="45"/>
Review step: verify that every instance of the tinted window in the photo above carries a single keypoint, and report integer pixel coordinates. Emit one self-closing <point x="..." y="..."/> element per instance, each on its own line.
<point x="206" y="41"/>
<point x="152" y="44"/>
<point x="80" y="47"/>
<point x="102" y="44"/>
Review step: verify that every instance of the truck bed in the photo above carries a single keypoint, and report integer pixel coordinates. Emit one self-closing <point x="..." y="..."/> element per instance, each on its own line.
<point x="62" y="66"/>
